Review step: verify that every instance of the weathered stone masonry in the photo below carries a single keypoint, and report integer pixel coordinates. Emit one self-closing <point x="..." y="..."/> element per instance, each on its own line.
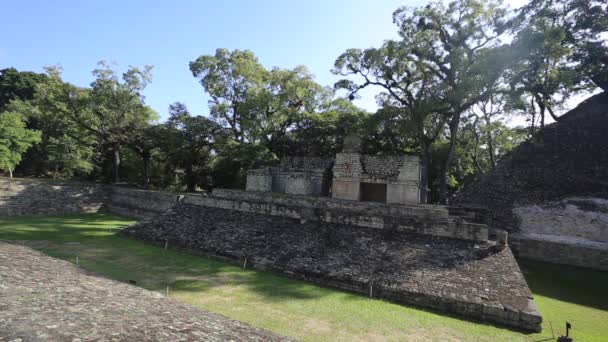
<point x="467" y="278"/>
<point x="351" y="176"/>
<point x="24" y="197"/>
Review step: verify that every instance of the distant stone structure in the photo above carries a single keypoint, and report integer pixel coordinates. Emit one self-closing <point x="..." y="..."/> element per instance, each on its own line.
<point x="354" y="176"/>
<point x="308" y="176"/>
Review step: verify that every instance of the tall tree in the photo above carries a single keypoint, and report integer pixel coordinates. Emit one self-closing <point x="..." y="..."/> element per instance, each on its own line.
<point x="459" y="44"/>
<point x="228" y="77"/>
<point x="281" y="103"/>
<point x="15" y="139"/>
<point x="114" y="108"/>
<point x="564" y="53"/>
<point x="144" y="141"/>
<point x="322" y="132"/>
<point x="65" y="149"/>
<point x="410" y="93"/>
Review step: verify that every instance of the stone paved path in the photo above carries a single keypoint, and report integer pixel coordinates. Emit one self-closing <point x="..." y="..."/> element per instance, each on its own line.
<point x="48" y="299"/>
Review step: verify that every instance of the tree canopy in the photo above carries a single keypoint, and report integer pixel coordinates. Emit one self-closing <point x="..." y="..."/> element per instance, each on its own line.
<point x="447" y="87"/>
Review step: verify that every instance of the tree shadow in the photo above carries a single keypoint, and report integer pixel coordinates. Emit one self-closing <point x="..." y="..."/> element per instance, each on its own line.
<point x="570" y="284"/>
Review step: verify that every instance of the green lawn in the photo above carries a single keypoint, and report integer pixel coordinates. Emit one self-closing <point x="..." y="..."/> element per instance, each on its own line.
<point x="299" y="309"/>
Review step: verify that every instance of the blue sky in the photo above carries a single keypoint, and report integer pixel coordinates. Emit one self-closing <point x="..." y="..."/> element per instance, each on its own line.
<point x="170" y="34"/>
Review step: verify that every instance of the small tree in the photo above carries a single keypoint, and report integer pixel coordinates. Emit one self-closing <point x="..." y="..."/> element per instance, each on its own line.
<point x="15" y="139"/>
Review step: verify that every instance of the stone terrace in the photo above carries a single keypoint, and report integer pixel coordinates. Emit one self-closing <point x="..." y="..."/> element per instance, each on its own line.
<point x="467" y="278"/>
<point x="47" y="299"/>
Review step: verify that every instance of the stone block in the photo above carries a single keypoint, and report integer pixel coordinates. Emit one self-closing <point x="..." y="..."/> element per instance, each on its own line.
<point x="346" y="189"/>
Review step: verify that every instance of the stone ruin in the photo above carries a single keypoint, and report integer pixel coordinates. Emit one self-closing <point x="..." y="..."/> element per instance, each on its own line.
<point x="296" y="221"/>
<point x="308" y="176"/>
<point x="350" y="176"/>
<point x="354" y="223"/>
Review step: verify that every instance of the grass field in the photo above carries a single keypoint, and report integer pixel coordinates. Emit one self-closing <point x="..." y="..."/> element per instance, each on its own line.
<point x="299" y="309"/>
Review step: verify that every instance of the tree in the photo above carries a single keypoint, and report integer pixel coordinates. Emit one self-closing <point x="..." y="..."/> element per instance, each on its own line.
<point x="322" y="132"/>
<point x="228" y="77"/>
<point x="459" y="44"/>
<point x="15" y="85"/>
<point x="411" y="94"/>
<point x="15" y="139"/>
<point x="65" y="150"/>
<point x="563" y="54"/>
<point x="144" y="141"/>
<point x="188" y="141"/>
<point x="113" y="108"/>
<point x="485" y="136"/>
<point x="543" y="80"/>
<point x="281" y="103"/>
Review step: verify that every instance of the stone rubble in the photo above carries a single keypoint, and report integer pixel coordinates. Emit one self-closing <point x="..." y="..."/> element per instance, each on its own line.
<point x="471" y="279"/>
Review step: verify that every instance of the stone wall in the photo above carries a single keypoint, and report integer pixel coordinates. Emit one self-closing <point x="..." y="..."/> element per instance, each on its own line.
<point x="421" y="219"/>
<point x="28" y="197"/>
<point x="305" y="163"/>
<point x="558" y="250"/>
<point x="295" y="175"/>
<point x="139" y="203"/>
<point x="261" y="180"/>
<point x="31" y="197"/>
<point x="401" y="174"/>
<point x="572" y="231"/>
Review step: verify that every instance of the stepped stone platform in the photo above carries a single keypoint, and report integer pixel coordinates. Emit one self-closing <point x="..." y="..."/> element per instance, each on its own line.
<point x="47" y="299"/>
<point x="469" y="278"/>
<point x="420" y="219"/>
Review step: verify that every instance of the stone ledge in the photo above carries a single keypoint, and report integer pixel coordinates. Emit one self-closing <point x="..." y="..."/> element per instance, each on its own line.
<point x="560" y="250"/>
<point x="421" y="219"/>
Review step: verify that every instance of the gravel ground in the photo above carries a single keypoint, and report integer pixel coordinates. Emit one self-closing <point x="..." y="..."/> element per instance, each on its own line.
<point x="47" y="299"/>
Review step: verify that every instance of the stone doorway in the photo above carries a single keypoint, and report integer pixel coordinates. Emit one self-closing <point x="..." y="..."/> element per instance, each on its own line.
<point x="373" y="192"/>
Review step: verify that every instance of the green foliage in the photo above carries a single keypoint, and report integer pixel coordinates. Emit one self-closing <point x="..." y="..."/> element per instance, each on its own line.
<point x="66" y="150"/>
<point x="229" y="167"/>
<point x="450" y="61"/>
<point x="188" y="142"/>
<point x="113" y="108"/>
<point x="15" y="85"/>
<point x="322" y="133"/>
<point x="15" y="139"/>
<point x="228" y="78"/>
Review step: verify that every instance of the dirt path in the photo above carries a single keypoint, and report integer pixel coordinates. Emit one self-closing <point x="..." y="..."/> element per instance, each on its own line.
<point x="47" y="299"/>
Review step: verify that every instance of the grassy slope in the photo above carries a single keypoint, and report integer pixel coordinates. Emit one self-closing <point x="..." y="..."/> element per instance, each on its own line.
<point x="296" y="308"/>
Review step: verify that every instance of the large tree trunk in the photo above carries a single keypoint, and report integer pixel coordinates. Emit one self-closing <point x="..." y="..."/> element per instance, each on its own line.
<point x="490" y="140"/>
<point x="190" y="179"/>
<point x="10" y="172"/>
<point x="146" y="164"/>
<point x="443" y="185"/>
<point x="116" y="163"/>
<point x="424" y="175"/>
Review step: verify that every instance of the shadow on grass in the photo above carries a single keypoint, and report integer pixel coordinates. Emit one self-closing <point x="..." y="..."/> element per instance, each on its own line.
<point x="569" y="284"/>
<point x="154" y="268"/>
